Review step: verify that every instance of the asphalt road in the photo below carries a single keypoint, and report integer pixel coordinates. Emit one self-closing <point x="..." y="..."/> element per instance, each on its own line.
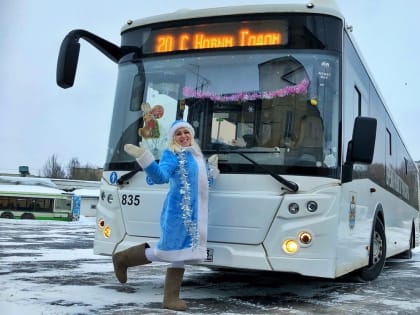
<point x="49" y="268"/>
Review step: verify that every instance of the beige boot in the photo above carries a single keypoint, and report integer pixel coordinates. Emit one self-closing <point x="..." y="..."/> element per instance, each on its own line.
<point x="173" y="282"/>
<point x="133" y="256"/>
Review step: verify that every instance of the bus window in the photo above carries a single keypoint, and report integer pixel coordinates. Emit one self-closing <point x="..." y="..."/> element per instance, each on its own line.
<point x="62" y="204"/>
<point x="3" y="203"/>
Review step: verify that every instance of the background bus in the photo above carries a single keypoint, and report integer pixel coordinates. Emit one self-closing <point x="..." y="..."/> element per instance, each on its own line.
<point x="315" y="178"/>
<point x="29" y="198"/>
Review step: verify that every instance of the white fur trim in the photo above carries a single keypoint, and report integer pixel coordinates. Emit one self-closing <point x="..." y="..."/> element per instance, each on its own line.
<point x="182" y="124"/>
<point x="187" y="254"/>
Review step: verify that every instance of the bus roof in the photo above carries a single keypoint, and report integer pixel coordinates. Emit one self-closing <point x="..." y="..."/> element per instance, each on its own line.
<point x="328" y="7"/>
<point x="17" y="180"/>
<point x="32" y="191"/>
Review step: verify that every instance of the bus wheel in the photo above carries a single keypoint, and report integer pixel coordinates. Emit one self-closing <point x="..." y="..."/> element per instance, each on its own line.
<point x="408" y="254"/>
<point x="27" y="215"/>
<point x="377" y="254"/>
<point x="7" y="215"/>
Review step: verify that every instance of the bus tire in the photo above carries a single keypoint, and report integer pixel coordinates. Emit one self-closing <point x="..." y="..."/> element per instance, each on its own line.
<point x="27" y="216"/>
<point x="7" y="215"/>
<point x="377" y="254"/>
<point x="408" y="254"/>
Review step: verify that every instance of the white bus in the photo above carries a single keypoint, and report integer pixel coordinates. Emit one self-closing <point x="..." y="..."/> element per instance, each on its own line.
<point x="315" y="178"/>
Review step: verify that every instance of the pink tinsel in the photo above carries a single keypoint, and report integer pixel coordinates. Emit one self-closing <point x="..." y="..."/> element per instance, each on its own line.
<point x="300" y="88"/>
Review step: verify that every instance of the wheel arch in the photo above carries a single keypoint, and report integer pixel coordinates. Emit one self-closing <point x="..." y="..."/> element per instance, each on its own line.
<point x="379" y="215"/>
<point x="7" y="215"/>
<point x="27" y="216"/>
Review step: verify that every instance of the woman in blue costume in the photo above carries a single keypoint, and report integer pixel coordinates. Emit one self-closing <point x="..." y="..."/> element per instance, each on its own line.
<point x="183" y="220"/>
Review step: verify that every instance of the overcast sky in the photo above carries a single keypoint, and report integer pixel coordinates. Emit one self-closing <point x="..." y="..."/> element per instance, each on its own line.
<point x="38" y="119"/>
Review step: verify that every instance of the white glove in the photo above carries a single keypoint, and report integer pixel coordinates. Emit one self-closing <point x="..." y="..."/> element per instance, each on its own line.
<point x="213" y="160"/>
<point x="133" y="150"/>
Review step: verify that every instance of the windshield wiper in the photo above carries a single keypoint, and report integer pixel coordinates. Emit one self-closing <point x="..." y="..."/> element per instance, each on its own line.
<point x="289" y="184"/>
<point x="130" y="174"/>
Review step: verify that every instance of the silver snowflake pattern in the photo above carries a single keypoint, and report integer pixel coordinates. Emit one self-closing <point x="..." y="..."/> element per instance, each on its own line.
<point x="185" y="204"/>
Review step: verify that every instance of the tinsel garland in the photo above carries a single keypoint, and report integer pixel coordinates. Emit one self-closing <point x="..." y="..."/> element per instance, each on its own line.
<point x="301" y="88"/>
<point x="185" y="192"/>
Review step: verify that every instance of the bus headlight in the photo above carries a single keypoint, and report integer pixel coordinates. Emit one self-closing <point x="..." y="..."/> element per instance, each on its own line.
<point x="312" y="206"/>
<point x="290" y="246"/>
<point x="305" y="237"/>
<point x="293" y="208"/>
<point x="101" y="223"/>
<point x="110" y="198"/>
<point x="106" y="232"/>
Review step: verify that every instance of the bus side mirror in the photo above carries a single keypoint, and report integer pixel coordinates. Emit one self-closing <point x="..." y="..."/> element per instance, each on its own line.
<point x="363" y="141"/>
<point x="67" y="62"/>
<point x="69" y="54"/>
<point x="361" y="147"/>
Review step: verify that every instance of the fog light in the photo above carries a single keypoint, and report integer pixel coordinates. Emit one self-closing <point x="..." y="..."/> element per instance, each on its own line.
<point x="110" y="198"/>
<point x="293" y="208"/>
<point x="101" y="223"/>
<point x="312" y="206"/>
<point x="290" y="246"/>
<point x="106" y="232"/>
<point x="305" y="238"/>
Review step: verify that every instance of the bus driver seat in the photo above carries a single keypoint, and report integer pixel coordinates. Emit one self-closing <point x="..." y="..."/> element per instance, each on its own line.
<point x="310" y="142"/>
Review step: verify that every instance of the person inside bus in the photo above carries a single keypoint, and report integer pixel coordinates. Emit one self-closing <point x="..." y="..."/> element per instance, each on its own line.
<point x="183" y="223"/>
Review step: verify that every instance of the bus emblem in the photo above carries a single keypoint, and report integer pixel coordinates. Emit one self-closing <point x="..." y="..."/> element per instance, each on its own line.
<point x="113" y="177"/>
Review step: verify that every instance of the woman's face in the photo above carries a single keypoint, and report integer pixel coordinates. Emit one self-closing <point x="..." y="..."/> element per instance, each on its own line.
<point x="183" y="137"/>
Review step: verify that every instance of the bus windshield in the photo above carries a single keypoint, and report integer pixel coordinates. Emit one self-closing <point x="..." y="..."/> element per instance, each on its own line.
<point x="280" y="107"/>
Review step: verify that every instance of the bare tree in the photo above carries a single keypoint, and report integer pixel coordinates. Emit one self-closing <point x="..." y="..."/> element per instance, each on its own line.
<point x="53" y="169"/>
<point x="73" y="165"/>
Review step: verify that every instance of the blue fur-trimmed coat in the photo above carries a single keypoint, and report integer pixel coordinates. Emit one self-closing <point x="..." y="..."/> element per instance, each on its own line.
<point x="184" y="217"/>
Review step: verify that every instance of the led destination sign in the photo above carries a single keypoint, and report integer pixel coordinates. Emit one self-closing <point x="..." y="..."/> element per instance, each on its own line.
<point x="220" y="35"/>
